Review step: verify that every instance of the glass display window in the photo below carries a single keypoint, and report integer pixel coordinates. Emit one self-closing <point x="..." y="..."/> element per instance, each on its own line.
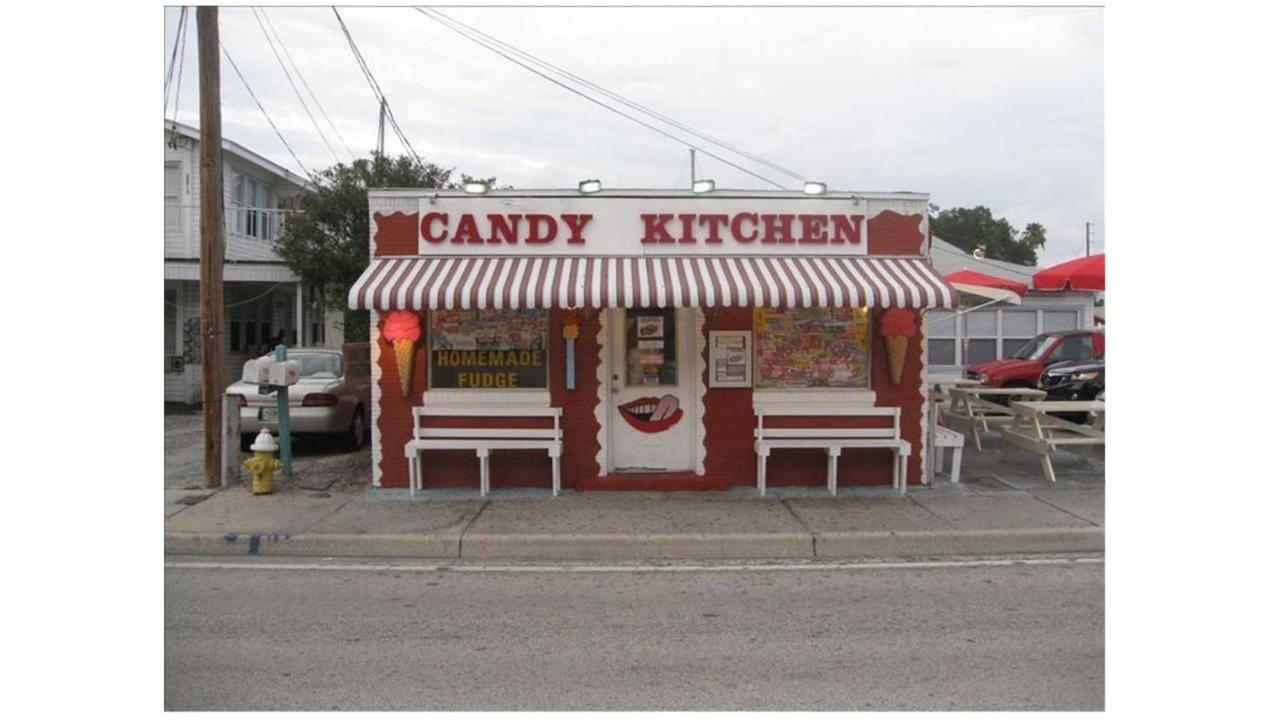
<point x="812" y="348"/>
<point x="488" y="349"/>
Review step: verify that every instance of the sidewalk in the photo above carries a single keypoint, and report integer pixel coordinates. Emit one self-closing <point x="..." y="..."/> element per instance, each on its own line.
<point x="998" y="508"/>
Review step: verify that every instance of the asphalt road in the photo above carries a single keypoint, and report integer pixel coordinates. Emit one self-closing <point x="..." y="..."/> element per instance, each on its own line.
<point x="958" y="637"/>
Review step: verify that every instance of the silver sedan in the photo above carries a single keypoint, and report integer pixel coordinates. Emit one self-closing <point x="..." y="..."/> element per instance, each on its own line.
<point x="330" y="398"/>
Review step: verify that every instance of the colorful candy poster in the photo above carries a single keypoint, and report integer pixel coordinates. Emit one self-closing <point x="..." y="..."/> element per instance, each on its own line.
<point x="812" y="347"/>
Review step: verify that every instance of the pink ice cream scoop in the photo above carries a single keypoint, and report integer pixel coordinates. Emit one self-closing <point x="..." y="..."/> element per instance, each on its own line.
<point x="402" y="325"/>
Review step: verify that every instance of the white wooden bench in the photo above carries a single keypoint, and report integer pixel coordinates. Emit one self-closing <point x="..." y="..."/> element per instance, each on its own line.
<point x="833" y="440"/>
<point x="944" y="438"/>
<point x="484" y="440"/>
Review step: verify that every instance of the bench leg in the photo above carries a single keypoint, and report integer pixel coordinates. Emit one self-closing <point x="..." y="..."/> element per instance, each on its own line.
<point x="1047" y="466"/>
<point x="761" y="457"/>
<point x="483" y="454"/>
<point x="555" y="475"/>
<point x="413" y="473"/>
<point x="900" y="467"/>
<point x="977" y="438"/>
<point x="833" y="455"/>
<point x="955" y="464"/>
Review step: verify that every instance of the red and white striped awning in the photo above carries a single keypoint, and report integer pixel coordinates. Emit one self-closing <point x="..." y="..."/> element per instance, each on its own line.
<point x="431" y="283"/>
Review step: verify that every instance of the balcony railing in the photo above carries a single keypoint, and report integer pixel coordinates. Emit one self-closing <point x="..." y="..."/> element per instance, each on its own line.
<point x="252" y="223"/>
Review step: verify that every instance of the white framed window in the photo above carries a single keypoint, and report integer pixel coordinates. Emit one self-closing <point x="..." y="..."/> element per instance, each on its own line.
<point x="1055" y="320"/>
<point x="172" y="195"/>
<point x="1017" y="327"/>
<point x="942" y="331"/>
<point x="171" y="322"/>
<point x="982" y="336"/>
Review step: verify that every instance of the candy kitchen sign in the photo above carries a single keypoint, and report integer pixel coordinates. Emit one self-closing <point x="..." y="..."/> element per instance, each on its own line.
<point x="632" y="226"/>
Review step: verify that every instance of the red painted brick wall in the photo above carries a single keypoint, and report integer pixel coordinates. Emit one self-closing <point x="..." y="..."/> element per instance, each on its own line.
<point x="892" y="233"/>
<point x="730" y="424"/>
<point x="508" y="468"/>
<point x="395" y="234"/>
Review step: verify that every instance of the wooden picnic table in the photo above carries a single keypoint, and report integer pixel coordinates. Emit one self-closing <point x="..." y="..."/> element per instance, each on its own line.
<point x="1036" y="428"/>
<point x="972" y="411"/>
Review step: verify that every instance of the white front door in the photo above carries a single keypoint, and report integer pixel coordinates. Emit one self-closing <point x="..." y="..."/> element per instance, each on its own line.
<point x="653" y="366"/>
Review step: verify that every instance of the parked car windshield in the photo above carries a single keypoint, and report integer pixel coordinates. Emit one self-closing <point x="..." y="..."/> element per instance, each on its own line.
<point x="318" y="366"/>
<point x="1034" y="348"/>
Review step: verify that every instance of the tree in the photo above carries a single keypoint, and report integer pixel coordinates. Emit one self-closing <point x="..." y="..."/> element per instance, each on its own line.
<point x="327" y="241"/>
<point x="971" y="228"/>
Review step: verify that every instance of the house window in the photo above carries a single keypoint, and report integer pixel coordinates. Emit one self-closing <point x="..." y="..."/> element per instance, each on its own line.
<point x="171" y="321"/>
<point x="812" y="348"/>
<point x="980" y="330"/>
<point x="1056" y="320"/>
<point x="172" y="195"/>
<point x="488" y="349"/>
<point x="941" y="331"/>
<point x="1017" y="327"/>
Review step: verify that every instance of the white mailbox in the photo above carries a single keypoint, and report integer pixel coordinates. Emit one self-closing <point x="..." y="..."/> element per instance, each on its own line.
<point x="284" y="373"/>
<point x="258" y="370"/>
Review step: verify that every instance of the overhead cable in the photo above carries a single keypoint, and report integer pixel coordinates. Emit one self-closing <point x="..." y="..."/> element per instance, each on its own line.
<point x="591" y="99"/>
<point x="266" y="115"/>
<point x="173" y="57"/>
<point x="305" y="84"/>
<point x="625" y="101"/>
<point x="298" y="93"/>
<point x="377" y="89"/>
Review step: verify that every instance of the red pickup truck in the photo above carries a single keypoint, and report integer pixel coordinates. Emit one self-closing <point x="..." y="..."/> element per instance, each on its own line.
<point x="1024" y="366"/>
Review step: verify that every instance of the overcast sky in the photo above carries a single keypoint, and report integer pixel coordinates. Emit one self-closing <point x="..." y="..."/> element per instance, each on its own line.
<point x="977" y="106"/>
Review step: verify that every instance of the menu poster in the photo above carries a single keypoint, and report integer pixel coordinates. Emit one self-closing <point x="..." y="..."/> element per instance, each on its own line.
<point x="812" y="347"/>
<point x="649" y="326"/>
<point x="730" y="358"/>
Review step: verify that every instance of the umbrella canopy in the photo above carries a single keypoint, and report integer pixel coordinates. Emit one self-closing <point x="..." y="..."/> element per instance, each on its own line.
<point x="1086" y="273"/>
<point x="971" y="277"/>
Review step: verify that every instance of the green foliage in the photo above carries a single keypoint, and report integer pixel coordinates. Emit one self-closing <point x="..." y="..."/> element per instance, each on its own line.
<point x="970" y="228"/>
<point x="327" y="241"/>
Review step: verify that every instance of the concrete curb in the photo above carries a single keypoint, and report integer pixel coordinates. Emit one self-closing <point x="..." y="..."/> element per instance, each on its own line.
<point x="840" y="545"/>
<point x="613" y="547"/>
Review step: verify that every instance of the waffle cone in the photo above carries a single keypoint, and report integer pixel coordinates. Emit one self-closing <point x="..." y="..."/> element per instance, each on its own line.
<point x="897" y="350"/>
<point x="404" y="364"/>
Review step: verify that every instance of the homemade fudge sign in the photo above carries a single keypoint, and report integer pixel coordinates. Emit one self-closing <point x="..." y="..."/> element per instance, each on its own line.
<point x="834" y="224"/>
<point x="491" y="350"/>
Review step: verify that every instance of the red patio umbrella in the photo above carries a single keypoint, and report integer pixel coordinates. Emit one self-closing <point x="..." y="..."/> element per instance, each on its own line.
<point x="1086" y="273"/>
<point x="971" y="277"/>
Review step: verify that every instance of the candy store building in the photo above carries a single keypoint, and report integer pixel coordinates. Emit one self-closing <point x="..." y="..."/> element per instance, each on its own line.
<point x="658" y="332"/>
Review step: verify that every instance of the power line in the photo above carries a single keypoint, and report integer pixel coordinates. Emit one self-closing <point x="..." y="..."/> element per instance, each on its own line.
<point x="377" y="89"/>
<point x="288" y="147"/>
<point x="180" y="55"/>
<point x="610" y="108"/>
<point x="305" y="84"/>
<point x="296" y="91"/>
<point x="625" y="101"/>
<point x="173" y="57"/>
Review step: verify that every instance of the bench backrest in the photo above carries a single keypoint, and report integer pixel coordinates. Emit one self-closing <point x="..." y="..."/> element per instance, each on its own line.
<point x="798" y="412"/>
<point x="487" y="421"/>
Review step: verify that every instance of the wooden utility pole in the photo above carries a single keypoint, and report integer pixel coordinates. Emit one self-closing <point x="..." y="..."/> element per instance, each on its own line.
<point x="212" y="226"/>
<point x="382" y="125"/>
<point x="1088" y="240"/>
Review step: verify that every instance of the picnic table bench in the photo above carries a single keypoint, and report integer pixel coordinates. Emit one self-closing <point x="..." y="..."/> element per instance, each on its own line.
<point x="803" y="434"/>
<point x="506" y="426"/>
<point x="972" y="411"/>
<point x="1036" y="429"/>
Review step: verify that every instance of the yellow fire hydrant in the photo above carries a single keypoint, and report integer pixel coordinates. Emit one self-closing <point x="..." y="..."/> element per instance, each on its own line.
<point x="263" y="464"/>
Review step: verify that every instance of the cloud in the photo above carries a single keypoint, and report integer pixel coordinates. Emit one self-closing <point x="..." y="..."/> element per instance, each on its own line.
<point x="994" y="106"/>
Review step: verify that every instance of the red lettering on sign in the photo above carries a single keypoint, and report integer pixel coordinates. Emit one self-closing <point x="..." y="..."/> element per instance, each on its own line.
<point x="813" y="229"/>
<point x="542" y="228"/>
<point x="467" y="232"/>
<point x="777" y="228"/>
<point x="848" y="228"/>
<point x="506" y="225"/>
<point x="426" y="226"/>
<point x="735" y="227"/>
<point x="686" y="228"/>
<point x="713" y="223"/>
<point x="655" y="228"/>
<point x="576" y="223"/>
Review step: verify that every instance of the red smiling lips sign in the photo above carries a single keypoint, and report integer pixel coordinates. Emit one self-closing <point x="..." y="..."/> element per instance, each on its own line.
<point x="652" y="415"/>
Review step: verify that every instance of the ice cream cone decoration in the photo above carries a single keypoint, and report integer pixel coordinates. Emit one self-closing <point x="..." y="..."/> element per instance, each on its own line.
<point x="896" y="327"/>
<point x="402" y="329"/>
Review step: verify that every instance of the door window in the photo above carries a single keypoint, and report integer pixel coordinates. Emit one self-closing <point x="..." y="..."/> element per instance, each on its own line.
<point x="651" y="346"/>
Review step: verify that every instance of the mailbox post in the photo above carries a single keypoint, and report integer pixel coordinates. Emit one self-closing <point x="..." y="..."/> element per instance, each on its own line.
<point x="275" y="375"/>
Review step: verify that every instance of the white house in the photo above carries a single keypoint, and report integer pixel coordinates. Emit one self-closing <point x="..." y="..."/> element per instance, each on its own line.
<point x="262" y="295"/>
<point x="960" y="338"/>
